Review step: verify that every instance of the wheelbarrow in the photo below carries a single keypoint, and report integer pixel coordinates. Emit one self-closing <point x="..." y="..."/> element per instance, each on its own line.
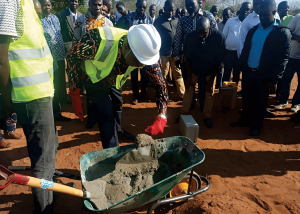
<point x="176" y="187"/>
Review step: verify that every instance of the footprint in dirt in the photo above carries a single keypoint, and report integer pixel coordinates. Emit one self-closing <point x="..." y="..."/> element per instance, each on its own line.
<point x="258" y="201"/>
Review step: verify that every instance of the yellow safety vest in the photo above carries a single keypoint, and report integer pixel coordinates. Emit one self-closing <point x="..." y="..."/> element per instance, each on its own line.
<point x="31" y="63"/>
<point x="101" y="66"/>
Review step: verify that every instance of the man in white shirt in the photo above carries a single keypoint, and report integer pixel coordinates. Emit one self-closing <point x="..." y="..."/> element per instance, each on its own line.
<point x="249" y="22"/>
<point x="232" y="32"/>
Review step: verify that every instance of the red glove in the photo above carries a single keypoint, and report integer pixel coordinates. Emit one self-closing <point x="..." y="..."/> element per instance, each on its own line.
<point x="157" y="127"/>
<point x="77" y="103"/>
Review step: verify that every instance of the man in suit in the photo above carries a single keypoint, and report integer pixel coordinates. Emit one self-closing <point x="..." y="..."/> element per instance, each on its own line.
<point x="264" y="57"/>
<point x="67" y="19"/>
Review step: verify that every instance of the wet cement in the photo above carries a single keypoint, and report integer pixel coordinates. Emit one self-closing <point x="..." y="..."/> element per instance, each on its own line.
<point x="132" y="173"/>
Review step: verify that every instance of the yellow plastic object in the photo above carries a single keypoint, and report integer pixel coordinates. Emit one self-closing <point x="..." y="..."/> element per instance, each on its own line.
<point x="182" y="188"/>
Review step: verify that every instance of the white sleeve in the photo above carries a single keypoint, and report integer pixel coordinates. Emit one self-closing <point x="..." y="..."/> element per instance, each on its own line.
<point x="8" y="17"/>
<point x="292" y="24"/>
<point x="242" y="37"/>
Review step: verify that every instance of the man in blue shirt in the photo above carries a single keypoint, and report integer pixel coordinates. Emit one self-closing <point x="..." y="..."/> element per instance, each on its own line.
<point x="264" y="57"/>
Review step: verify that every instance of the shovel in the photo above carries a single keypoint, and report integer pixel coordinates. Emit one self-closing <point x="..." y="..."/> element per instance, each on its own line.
<point x="56" y="172"/>
<point x="11" y="177"/>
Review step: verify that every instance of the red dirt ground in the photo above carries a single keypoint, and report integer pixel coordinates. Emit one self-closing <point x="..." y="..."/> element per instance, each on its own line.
<point x="247" y="175"/>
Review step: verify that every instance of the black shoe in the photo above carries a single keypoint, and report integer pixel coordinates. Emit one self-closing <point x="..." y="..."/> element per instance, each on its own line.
<point x="240" y="92"/>
<point x="62" y="118"/>
<point x="254" y="132"/>
<point x="296" y="119"/>
<point x="208" y="123"/>
<point x="238" y="124"/>
<point x="269" y="114"/>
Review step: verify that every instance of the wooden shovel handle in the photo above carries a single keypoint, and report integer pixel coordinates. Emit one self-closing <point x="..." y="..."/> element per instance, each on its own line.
<point x="49" y="185"/>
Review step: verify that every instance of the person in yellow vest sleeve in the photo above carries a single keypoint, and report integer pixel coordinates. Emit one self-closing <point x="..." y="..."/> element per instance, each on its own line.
<point x="107" y="55"/>
<point x="26" y="84"/>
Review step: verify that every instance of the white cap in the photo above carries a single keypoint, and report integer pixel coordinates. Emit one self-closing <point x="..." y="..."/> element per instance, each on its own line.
<point x="145" y="43"/>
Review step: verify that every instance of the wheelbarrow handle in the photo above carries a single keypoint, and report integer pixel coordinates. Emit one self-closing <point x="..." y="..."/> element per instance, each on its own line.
<point x="181" y="197"/>
<point x="37" y="183"/>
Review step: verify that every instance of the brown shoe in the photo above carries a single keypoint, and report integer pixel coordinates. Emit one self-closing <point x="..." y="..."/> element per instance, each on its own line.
<point x="12" y="135"/>
<point x="134" y="101"/>
<point x="4" y="144"/>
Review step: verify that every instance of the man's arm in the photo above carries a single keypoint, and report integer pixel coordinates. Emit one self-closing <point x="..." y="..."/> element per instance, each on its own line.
<point x="85" y="49"/>
<point x="5" y="82"/>
<point x="292" y="26"/>
<point x="242" y="37"/>
<point x="212" y="20"/>
<point x="284" y="47"/>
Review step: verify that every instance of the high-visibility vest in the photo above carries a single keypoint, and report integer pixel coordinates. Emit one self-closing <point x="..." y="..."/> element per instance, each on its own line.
<point x="106" y="56"/>
<point x="31" y="63"/>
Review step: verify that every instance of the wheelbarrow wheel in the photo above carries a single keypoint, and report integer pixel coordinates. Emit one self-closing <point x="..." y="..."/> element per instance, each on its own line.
<point x="182" y="187"/>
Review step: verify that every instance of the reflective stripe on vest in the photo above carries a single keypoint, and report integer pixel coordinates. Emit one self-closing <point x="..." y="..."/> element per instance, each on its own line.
<point x="107" y="48"/>
<point x="109" y="43"/>
<point x="28" y="53"/>
<point x="31" y="80"/>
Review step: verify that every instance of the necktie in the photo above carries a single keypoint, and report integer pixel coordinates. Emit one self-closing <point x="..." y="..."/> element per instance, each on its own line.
<point x="74" y="20"/>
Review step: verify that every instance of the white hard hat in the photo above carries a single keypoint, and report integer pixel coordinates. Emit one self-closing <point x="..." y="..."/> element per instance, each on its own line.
<point x="145" y="43"/>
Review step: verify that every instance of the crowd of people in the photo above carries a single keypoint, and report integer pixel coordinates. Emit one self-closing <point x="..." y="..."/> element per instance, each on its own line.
<point x="101" y="49"/>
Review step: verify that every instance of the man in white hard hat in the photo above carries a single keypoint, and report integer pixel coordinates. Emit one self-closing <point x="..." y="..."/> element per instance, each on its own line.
<point x="107" y="55"/>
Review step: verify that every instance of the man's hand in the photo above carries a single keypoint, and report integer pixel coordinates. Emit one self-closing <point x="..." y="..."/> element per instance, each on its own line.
<point x="77" y="103"/>
<point x="158" y="125"/>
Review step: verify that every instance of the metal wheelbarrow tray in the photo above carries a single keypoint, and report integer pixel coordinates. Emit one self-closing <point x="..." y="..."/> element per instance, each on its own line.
<point x="182" y="147"/>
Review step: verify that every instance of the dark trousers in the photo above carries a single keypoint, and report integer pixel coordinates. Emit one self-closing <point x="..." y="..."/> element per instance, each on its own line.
<point x="36" y="119"/>
<point x="135" y="81"/>
<point x="60" y="93"/>
<point x="109" y="112"/>
<point x="292" y="67"/>
<point x="230" y="63"/>
<point x="255" y="100"/>
<point x="219" y="78"/>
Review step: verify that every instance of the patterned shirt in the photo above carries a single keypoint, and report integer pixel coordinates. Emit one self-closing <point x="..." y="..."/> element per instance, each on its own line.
<point x="11" y="19"/>
<point x="87" y="22"/>
<point x="187" y="25"/>
<point x="86" y="49"/>
<point x="134" y="19"/>
<point x="54" y="38"/>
